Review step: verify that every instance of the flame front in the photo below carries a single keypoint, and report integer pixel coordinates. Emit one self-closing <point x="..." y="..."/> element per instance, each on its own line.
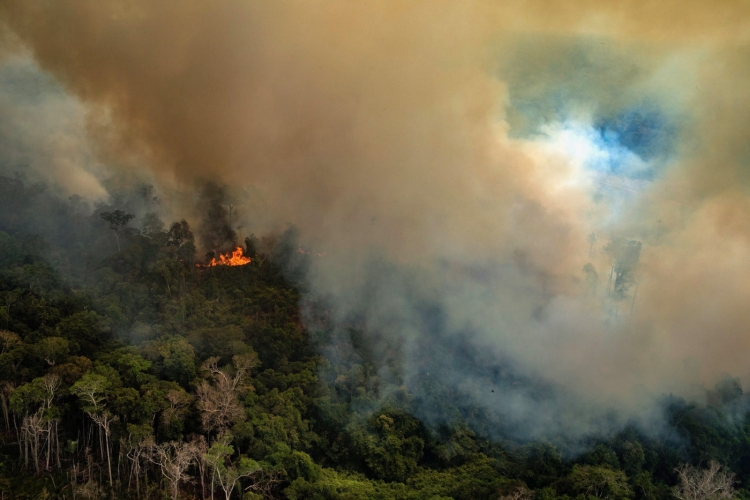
<point x="235" y="258"/>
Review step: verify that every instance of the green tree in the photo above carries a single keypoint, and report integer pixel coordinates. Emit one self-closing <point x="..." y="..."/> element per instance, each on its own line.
<point x="90" y="389"/>
<point x="175" y="358"/>
<point x="225" y="473"/>
<point x="633" y="458"/>
<point x="391" y="446"/>
<point x="599" y="482"/>
<point x="53" y="349"/>
<point x="118" y="221"/>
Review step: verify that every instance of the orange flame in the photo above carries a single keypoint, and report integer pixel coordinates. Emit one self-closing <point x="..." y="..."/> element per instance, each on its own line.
<point x="235" y="258"/>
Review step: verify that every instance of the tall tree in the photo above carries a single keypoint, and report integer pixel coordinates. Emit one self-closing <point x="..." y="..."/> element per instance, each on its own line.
<point x="91" y="390"/>
<point x="118" y="221"/>
<point x="218" y="401"/>
<point x="174" y="458"/>
<point x="228" y="475"/>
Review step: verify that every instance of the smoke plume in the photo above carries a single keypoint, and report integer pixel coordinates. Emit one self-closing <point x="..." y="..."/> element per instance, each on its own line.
<point x="457" y="166"/>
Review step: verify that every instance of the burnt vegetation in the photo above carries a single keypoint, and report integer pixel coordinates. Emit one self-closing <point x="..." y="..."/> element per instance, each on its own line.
<point x="128" y="372"/>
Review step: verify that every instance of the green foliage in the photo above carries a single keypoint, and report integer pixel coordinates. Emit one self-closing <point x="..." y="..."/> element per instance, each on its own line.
<point x="477" y="479"/>
<point x="123" y="335"/>
<point x="390" y="445"/>
<point x="53" y="349"/>
<point x="173" y="357"/>
<point x="27" y="398"/>
<point x="90" y="389"/>
<point x="117" y="221"/>
<point x="597" y="482"/>
<point x="85" y="331"/>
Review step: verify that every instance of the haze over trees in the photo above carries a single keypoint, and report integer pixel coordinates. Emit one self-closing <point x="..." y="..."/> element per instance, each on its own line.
<point x="118" y="221"/>
<point x="128" y="372"/>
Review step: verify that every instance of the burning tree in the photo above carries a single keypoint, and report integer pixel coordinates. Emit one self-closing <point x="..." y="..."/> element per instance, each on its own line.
<point x="234" y="258"/>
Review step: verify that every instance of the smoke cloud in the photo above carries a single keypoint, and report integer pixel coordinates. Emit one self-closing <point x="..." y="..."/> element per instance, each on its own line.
<point x="43" y="132"/>
<point x="459" y="164"/>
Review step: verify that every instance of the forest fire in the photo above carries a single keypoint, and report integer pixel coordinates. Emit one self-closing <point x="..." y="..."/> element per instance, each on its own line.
<point x="234" y="258"/>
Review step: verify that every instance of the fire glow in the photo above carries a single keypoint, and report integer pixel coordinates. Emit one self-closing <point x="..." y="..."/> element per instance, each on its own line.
<point x="234" y="258"/>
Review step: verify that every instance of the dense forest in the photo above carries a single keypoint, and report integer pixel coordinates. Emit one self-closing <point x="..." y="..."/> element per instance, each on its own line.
<point x="131" y="368"/>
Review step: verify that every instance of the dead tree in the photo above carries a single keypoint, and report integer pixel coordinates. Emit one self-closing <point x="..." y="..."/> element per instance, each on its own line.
<point x="704" y="484"/>
<point x="137" y="449"/>
<point x="104" y="421"/>
<point x="520" y="493"/>
<point x="39" y="429"/>
<point x="178" y="405"/>
<point x="174" y="459"/>
<point x="218" y="400"/>
<point x="33" y="432"/>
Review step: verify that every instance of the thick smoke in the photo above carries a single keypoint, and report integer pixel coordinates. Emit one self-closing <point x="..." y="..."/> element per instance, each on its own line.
<point x="43" y="131"/>
<point x="459" y="164"/>
<point x="216" y="233"/>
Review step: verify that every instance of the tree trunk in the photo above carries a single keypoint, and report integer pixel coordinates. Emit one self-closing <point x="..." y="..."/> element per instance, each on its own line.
<point x="49" y="442"/>
<point x="109" y="463"/>
<point x="169" y="290"/>
<point x="4" y="403"/>
<point x="57" y="444"/>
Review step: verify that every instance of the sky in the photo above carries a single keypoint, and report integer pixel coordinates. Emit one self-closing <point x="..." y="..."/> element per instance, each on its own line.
<point x="449" y="157"/>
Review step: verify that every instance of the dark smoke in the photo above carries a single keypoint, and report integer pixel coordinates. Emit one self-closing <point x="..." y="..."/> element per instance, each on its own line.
<point x="216" y="233"/>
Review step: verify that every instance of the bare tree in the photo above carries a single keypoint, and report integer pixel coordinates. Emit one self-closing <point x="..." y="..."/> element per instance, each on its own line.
<point x="520" y="493"/>
<point x="265" y="481"/>
<point x="33" y="432"/>
<point x="178" y="402"/>
<point x="174" y="459"/>
<point x="91" y="390"/>
<point x="138" y="448"/>
<point x="51" y="383"/>
<point x="104" y="421"/>
<point x="704" y="484"/>
<point x="218" y="402"/>
<point x="201" y="447"/>
<point x="39" y="428"/>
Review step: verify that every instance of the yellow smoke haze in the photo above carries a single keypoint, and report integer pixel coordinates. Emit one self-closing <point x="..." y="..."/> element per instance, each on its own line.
<point x="389" y="125"/>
